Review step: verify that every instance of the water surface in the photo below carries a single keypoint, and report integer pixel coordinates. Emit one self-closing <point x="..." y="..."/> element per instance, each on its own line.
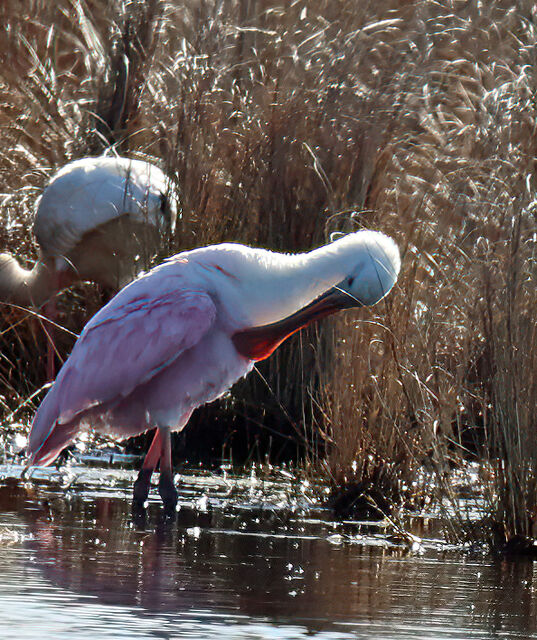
<point x="245" y="558"/>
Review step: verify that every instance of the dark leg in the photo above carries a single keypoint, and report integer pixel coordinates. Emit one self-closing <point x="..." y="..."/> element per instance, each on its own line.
<point x="50" y="312"/>
<point x="141" y="486"/>
<point x="166" y="488"/>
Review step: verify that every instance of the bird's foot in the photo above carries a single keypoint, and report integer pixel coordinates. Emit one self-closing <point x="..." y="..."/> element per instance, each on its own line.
<point x="139" y="516"/>
<point x="141" y="488"/>
<point x="168" y="493"/>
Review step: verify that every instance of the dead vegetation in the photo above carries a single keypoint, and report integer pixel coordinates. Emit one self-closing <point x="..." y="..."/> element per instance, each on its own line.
<point x="285" y="122"/>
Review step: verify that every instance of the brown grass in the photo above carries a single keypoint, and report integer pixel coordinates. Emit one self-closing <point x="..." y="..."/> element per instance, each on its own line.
<point x="284" y="123"/>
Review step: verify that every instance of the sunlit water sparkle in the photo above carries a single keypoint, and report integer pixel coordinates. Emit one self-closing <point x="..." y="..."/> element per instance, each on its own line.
<point x="246" y="558"/>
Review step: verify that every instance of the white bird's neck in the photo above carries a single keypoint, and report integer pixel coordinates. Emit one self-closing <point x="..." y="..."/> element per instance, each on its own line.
<point x="257" y="286"/>
<point x="358" y="270"/>
<point x="286" y="283"/>
<point x="26" y="287"/>
<point x="301" y="280"/>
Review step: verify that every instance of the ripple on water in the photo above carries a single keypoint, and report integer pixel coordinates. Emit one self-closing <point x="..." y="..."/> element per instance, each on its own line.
<point x="245" y="558"/>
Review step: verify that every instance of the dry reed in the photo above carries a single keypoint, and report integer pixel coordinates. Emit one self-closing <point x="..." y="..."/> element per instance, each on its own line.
<point x="284" y="122"/>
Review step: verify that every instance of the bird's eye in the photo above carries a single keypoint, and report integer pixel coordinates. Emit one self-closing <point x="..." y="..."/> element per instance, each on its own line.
<point x="350" y="281"/>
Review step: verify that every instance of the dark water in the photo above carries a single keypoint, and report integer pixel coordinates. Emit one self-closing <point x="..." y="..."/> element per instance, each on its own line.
<point x="245" y="559"/>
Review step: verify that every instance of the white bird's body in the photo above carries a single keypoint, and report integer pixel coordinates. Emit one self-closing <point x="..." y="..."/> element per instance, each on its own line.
<point x="182" y="334"/>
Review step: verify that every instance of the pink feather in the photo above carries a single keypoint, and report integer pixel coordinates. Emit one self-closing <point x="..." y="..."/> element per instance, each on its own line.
<point x="122" y="347"/>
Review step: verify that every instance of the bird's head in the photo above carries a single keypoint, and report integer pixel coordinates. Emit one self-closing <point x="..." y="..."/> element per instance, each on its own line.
<point x="371" y="276"/>
<point x="373" y="266"/>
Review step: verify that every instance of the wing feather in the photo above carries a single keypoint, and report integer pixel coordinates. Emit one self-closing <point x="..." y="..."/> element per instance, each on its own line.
<point x="144" y="328"/>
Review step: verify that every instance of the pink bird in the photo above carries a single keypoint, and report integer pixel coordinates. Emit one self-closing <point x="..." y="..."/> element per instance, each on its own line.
<point x="182" y="334"/>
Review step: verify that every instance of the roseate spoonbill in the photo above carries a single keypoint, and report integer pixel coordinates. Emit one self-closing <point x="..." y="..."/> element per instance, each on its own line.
<point x="182" y="334"/>
<point x="98" y="219"/>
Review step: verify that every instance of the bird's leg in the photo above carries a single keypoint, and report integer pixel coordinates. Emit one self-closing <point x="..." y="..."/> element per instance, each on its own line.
<point x="141" y="486"/>
<point x="50" y="312"/>
<point x="166" y="488"/>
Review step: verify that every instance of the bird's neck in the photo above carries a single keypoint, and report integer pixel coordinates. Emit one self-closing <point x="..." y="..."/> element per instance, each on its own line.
<point x="293" y="282"/>
<point x="25" y="287"/>
<point x="292" y="299"/>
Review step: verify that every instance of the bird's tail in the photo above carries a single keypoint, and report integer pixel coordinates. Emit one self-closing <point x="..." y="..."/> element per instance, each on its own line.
<point x="47" y="436"/>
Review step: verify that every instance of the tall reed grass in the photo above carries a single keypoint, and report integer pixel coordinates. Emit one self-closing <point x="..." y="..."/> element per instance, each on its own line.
<point x="283" y="123"/>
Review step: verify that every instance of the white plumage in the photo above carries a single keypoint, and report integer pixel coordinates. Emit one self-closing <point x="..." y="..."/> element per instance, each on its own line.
<point x="98" y="219"/>
<point x="91" y="192"/>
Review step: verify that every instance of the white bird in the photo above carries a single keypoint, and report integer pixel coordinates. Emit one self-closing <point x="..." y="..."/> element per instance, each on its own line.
<point x="96" y="220"/>
<point x="100" y="220"/>
<point x="182" y="334"/>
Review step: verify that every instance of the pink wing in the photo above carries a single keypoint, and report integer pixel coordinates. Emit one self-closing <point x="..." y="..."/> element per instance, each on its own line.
<point x="144" y="328"/>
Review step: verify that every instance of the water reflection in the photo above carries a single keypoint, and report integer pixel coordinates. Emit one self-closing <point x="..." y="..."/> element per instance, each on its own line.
<point x="231" y="571"/>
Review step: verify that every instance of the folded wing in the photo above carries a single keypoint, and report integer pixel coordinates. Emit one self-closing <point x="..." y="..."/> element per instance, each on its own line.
<point x="141" y="331"/>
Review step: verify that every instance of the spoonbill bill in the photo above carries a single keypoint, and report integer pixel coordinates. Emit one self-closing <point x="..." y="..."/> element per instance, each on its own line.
<point x="182" y="334"/>
<point x="99" y="219"/>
